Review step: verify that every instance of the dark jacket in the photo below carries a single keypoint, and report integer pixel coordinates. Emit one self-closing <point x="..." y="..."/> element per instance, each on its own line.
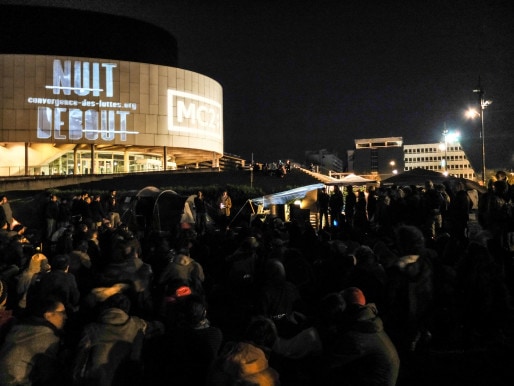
<point x="55" y="283"/>
<point x="362" y="353"/>
<point x="183" y="269"/>
<point x="114" y="339"/>
<point x="97" y="211"/>
<point x="191" y="351"/>
<point x="52" y="210"/>
<point x="411" y="279"/>
<point x="3" y="219"/>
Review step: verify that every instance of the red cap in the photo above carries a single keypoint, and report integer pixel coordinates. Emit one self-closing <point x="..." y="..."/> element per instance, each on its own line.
<point x="353" y="295"/>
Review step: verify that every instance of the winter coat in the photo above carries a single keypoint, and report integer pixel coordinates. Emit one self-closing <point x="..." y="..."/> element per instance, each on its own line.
<point x="191" y="352"/>
<point x="29" y="354"/>
<point x="411" y="290"/>
<point x="55" y="283"/>
<point x="362" y="352"/>
<point x="183" y="269"/>
<point x="116" y="338"/>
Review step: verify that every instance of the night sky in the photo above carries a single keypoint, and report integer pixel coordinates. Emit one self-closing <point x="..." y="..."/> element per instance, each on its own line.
<point x="300" y="75"/>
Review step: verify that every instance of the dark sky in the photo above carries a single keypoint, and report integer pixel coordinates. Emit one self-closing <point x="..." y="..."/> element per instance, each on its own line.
<point x="300" y="75"/>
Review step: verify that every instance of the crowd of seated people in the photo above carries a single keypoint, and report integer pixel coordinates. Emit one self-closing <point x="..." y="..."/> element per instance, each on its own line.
<point x="268" y="303"/>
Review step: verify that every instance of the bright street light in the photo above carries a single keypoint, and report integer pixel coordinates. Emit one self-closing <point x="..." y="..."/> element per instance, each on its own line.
<point x="392" y="163"/>
<point x="472" y="113"/>
<point x="449" y="137"/>
<point x="445" y="161"/>
<point x="452" y="136"/>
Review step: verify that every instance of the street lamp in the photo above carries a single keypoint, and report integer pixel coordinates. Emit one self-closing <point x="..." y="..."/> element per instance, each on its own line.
<point x="393" y="169"/>
<point x="449" y="137"/>
<point x="251" y="172"/>
<point x="445" y="134"/>
<point x="471" y="113"/>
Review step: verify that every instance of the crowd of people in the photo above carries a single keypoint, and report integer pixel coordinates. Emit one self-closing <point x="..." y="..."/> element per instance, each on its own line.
<point x="278" y="169"/>
<point x="268" y="302"/>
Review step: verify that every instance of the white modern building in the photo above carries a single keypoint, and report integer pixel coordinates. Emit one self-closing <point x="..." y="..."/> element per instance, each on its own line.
<point x="447" y="158"/>
<point x="389" y="156"/>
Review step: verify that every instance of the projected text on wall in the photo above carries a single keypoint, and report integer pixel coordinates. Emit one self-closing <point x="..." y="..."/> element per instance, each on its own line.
<point x="83" y="107"/>
<point x="193" y="114"/>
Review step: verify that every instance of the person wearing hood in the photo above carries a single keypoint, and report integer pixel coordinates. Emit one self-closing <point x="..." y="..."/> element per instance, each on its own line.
<point x="110" y="347"/>
<point x="410" y="306"/>
<point x="280" y="300"/>
<point x="32" y="351"/>
<point x="38" y="263"/>
<point x="57" y="281"/>
<point x="242" y="363"/>
<point x="360" y="353"/>
<point x="125" y="266"/>
<point x="189" y="347"/>
<point x="183" y="269"/>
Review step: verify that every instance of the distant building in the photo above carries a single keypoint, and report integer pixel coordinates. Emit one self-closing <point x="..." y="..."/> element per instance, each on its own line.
<point x="377" y="156"/>
<point x="388" y="156"/>
<point x="450" y="159"/>
<point x="324" y="160"/>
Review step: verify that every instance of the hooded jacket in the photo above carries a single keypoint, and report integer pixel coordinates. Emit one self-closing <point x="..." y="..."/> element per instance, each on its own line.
<point x="362" y="353"/>
<point x="115" y="338"/>
<point x="30" y="353"/>
<point x="248" y="363"/>
<point x="183" y="269"/>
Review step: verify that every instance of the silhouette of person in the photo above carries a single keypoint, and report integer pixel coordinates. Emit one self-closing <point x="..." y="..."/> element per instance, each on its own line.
<point x="323" y="207"/>
<point x="201" y="213"/>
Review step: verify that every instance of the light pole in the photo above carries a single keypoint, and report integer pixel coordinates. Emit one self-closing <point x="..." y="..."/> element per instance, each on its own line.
<point x="251" y="173"/>
<point x="450" y="137"/>
<point x="473" y="113"/>
<point x="445" y="134"/>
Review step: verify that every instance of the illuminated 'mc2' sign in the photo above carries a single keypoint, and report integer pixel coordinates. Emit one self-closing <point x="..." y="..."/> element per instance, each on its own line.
<point x="62" y="118"/>
<point x="194" y="114"/>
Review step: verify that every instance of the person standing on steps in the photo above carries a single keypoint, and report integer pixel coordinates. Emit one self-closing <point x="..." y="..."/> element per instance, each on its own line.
<point x="224" y="205"/>
<point x="201" y="213"/>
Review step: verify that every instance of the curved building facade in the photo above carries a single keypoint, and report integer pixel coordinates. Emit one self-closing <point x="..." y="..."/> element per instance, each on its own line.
<point x="79" y="110"/>
<point x="111" y="100"/>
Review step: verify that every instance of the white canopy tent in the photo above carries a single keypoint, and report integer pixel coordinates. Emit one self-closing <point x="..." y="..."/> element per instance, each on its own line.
<point x="351" y="179"/>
